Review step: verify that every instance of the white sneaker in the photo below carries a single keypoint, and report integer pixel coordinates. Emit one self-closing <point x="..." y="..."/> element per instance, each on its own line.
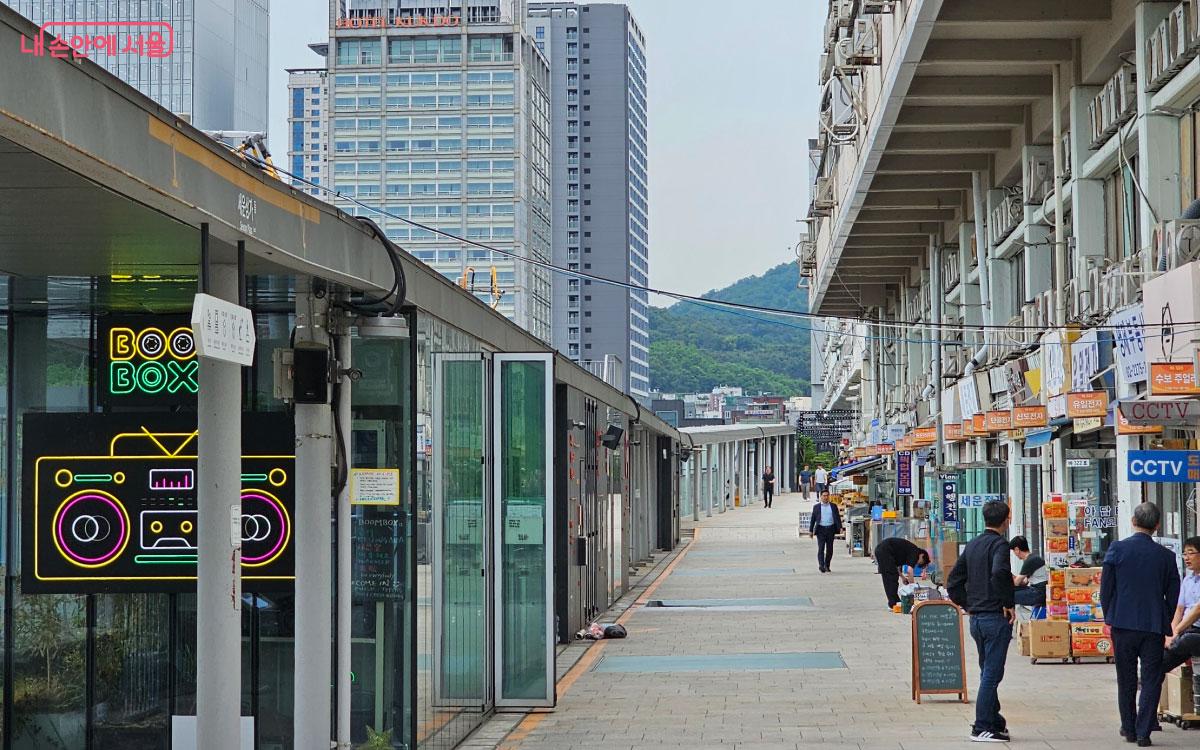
<point x="988" y="737"/>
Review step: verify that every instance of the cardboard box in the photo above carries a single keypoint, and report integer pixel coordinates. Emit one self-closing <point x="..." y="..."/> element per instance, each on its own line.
<point x="1091" y="639"/>
<point x="1177" y="698"/>
<point x="1056" y="612"/>
<point x="1083" y="577"/>
<point x="1058" y="578"/>
<point x="1054" y="510"/>
<point x="1049" y="639"/>
<point x="1084" y="613"/>
<point x="1089" y="596"/>
<point x="1056" y="594"/>
<point x="1091" y="628"/>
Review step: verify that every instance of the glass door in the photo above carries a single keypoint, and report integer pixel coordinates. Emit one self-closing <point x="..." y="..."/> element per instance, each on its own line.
<point x="460" y="546"/>
<point x="524" y="549"/>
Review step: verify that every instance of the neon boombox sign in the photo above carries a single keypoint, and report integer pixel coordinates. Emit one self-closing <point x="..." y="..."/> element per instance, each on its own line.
<point x="148" y="359"/>
<point x="125" y="517"/>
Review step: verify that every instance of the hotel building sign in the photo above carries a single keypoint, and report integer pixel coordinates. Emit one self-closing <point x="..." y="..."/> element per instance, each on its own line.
<point x="398" y="22"/>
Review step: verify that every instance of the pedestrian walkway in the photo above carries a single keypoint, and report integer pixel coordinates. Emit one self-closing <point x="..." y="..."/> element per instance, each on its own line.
<point x="756" y="650"/>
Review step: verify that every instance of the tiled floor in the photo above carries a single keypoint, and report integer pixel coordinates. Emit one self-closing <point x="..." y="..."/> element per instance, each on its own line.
<point x="756" y="693"/>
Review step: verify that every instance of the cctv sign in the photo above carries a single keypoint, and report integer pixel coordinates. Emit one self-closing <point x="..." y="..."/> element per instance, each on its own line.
<point x="1164" y="466"/>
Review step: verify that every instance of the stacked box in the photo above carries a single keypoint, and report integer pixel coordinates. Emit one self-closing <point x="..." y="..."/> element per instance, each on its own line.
<point x="1049" y="639"/>
<point x="1091" y="639"/>
<point x="1073" y="594"/>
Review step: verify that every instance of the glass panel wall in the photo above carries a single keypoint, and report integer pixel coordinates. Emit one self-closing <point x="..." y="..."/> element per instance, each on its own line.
<point x="523" y="542"/>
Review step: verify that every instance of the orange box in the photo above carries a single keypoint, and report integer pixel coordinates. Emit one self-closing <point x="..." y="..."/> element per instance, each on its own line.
<point x="1091" y="645"/>
<point x="1083" y="577"/>
<point x="1058" y="544"/>
<point x="1058" y="578"/>
<point x="1083" y="596"/>
<point x="1056" y="594"/>
<point x="1056" y="611"/>
<point x="1054" y="510"/>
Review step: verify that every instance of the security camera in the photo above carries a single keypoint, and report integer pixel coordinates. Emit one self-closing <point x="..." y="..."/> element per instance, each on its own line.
<point x="927" y="393"/>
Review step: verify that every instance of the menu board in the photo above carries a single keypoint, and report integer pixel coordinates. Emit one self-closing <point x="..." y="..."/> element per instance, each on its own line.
<point x="938" y="663"/>
<point x="378" y="548"/>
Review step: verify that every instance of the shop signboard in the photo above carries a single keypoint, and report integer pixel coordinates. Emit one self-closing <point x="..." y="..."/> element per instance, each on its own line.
<point x="968" y="397"/>
<point x="904" y="473"/>
<point x="1129" y="333"/>
<point x="998" y="421"/>
<point x="979" y="425"/>
<point x="117" y="510"/>
<point x="1085" y="361"/>
<point x="1085" y="425"/>
<point x="925" y="435"/>
<point x="894" y="432"/>
<point x="1056" y="362"/>
<point x="1173" y="379"/>
<point x="1161" y="413"/>
<point x="147" y="360"/>
<point x="1019" y="391"/>
<point x="1124" y="427"/>
<point x="953" y="432"/>
<point x="1087" y="404"/>
<point x="1164" y="466"/>
<point x="949" y="499"/>
<point x="1030" y="416"/>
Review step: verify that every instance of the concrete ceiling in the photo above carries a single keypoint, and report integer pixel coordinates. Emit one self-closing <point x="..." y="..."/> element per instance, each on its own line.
<point x="985" y="66"/>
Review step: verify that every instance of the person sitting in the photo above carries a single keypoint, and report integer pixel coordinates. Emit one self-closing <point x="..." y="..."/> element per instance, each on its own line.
<point x="1031" y="582"/>
<point x="1184" y="643"/>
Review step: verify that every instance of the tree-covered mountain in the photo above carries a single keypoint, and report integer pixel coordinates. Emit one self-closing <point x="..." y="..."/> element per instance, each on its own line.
<point x="695" y="347"/>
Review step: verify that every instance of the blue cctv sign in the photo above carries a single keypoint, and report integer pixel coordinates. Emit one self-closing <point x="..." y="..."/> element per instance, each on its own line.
<point x="1164" y="466"/>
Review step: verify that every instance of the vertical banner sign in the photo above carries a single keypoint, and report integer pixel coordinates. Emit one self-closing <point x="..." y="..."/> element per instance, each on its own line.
<point x="1128" y="325"/>
<point x="950" y="499"/>
<point x="904" y="477"/>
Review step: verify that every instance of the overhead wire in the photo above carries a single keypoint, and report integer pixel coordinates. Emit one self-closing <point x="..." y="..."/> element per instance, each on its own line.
<point x="680" y="296"/>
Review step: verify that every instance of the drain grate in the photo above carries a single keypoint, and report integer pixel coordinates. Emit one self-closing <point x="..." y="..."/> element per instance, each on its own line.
<point x="721" y="662"/>
<point x="794" y="602"/>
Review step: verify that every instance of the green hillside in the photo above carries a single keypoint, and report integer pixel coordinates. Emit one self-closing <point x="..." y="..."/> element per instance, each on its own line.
<point x="695" y="347"/>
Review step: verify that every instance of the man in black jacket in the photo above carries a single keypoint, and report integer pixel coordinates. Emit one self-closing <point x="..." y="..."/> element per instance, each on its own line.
<point x="981" y="583"/>
<point x="826" y="524"/>
<point x="892" y="554"/>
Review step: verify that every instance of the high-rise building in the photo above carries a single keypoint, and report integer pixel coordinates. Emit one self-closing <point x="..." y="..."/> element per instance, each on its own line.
<point x="308" y="141"/>
<point x="440" y="113"/>
<point x="215" y="73"/>
<point x="601" y="198"/>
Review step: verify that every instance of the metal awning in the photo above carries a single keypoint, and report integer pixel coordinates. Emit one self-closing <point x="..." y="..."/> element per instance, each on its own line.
<point x="855" y="468"/>
<point x="1038" y="439"/>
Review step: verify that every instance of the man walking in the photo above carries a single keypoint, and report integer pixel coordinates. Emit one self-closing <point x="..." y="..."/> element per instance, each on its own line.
<point x="826" y="523"/>
<point x="806" y="479"/>
<point x="768" y="480"/>
<point x="1186" y="625"/>
<point x="822" y="479"/>
<point x="1139" y="592"/>
<point x="890" y="555"/>
<point x="981" y="583"/>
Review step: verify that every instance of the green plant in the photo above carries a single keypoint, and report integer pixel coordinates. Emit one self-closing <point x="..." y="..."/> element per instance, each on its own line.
<point x="377" y="740"/>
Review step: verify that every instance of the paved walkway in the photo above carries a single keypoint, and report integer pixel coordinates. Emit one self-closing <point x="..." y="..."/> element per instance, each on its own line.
<point x="610" y="702"/>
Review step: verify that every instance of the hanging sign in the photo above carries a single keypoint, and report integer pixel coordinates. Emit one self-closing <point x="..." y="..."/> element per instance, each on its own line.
<point x="1129" y="333"/>
<point x="904" y="473"/>
<point x="950" y="499"/>
<point x="1087" y="404"/>
<point x="1030" y="416"/>
<point x="998" y="421"/>
<point x="1124" y="427"/>
<point x="1173" y="379"/>
<point x="925" y="435"/>
<point x="1085" y="361"/>
<point x="1168" y="413"/>
<point x="953" y="432"/>
<point x="223" y="331"/>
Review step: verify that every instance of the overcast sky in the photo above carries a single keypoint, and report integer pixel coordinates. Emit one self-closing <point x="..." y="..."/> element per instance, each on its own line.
<point x="733" y="100"/>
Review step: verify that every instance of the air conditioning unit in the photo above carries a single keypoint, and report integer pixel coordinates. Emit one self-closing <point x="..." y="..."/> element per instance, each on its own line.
<point x="823" y="195"/>
<point x="1006" y="216"/>
<point x="861" y="46"/>
<point x="1169" y="48"/>
<point x="1038" y="177"/>
<point x="1114" y="105"/>
<point x="843" y="95"/>
<point x="1175" y="243"/>
<point x="825" y="68"/>
<point x="877" y="7"/>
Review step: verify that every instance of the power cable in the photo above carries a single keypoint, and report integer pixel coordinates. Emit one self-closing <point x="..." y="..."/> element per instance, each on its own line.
<point x="680" y="296"/>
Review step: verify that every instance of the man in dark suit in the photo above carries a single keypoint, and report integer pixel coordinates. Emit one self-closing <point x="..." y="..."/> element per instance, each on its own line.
<point x="1138" y="591"/>
<point x="826" y="523"/>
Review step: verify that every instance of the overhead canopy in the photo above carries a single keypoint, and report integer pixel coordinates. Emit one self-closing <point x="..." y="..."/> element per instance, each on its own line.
<point x="1038" y="439"/>
<point x="855" y="468"/>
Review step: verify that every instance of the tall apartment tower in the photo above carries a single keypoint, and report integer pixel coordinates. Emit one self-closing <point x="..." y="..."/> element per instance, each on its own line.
<point x="308" y="131"/>
<point x="440" y="113"/>
<point x="601" y="199"/>
<point x="216" y="74"/>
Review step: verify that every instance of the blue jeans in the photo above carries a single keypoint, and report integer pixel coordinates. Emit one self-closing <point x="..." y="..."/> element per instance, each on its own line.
<point x="992" y="633"/>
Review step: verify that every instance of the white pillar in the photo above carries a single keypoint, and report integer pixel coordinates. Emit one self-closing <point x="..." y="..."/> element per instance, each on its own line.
<point x="219" y="556"/>
<point x="314" y="538"/>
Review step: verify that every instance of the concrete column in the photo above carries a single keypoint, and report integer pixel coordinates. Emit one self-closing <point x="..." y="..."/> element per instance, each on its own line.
<point x="711" y="474"/>
<point x="219" y="541"/>
<point x="345" y="604"/>
<point x="695" y="465"/>
<point x="314" y="537"/>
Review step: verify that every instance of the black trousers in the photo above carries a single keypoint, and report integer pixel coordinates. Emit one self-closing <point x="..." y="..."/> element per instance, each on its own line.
<point x="825" y="538"/>
<point x="891" y="584"/>
<point x="1138" y="713"/>
<point x="768" y="494"/>
<point x="1185" y="647"/>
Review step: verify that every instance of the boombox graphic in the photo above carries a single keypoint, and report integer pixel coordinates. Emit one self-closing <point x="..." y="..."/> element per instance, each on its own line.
<point x="126" y="521"/>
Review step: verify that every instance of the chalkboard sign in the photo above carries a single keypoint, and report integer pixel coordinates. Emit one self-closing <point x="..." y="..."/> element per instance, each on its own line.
<point x="939" y="664"/>
<point x="377" y="549"/>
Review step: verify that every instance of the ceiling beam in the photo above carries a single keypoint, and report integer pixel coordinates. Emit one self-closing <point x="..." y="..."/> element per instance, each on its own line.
<point x="959" y="141"/>
<point x="913" y="117"/>
<point x="886" y="216"/>
<point x="926" y="163"/>
<point x="947" y="89"/>
<point x="902" y="247"/>
<point x="883" y="183"/>
<point x="965" y="51"/>
<point x="1029" y="11"/>
<point x="914" y="199"/>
